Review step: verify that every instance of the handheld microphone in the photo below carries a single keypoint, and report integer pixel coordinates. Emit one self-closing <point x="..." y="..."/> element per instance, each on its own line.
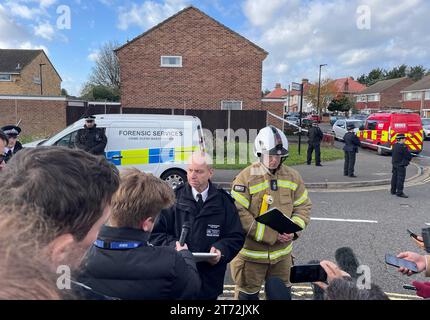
<point x="347" y="261"/>
<point x="184" y="233"/>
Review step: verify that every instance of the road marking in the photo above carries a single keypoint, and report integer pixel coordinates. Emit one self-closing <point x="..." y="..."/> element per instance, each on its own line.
<point x="344" y="220"/>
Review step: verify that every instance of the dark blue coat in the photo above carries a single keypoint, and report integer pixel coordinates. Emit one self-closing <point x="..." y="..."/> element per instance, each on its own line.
<point x="217" y="224"/>
<point x="351" y="142"/>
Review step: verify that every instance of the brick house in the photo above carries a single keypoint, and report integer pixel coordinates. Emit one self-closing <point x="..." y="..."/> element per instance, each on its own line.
<point x="385" y="94"/>
<point x="417" y="96"/>
<point x="191" y="61"/>
<point x="28" y="72"/>
<point x="348" y="87"/>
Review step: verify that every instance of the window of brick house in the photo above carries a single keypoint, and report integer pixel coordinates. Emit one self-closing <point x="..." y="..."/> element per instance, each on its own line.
<point x="412" y="96"/>
<point x="427" y="96"/>
<point x="171" y="61"/>
<point x="5" y="77"/>
<point x="231" y="105"/>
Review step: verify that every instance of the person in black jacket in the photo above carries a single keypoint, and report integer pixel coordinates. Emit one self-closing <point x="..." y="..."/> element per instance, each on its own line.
<point x="400" y="160"/>
<point x="351" y="149"/>
<point x="91" y="138"/>
<point x="14" y="145"/>
<point x="214" y="224"/>
<point x="315" y="136"/>
<point x="123" y="264"/>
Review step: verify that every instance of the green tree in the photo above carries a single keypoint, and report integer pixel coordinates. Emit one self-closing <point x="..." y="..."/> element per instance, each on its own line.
<point x="341" y="104"/>
<point x="416" y="73"/>
<point x="64" y="92"/>
<point x="93" y="92"/>
<point x="397" y="72"/>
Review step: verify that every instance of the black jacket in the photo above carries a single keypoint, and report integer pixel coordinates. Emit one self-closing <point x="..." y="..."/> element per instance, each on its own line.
<point x="400" y="155"/>
<point x="216" y="224"/>
<point x="9" y="154"/>
<point x="315" y="135"/>
<point x="92" y="140"/>
<point x="351" y="142"/>
<point x="146" y="272"/>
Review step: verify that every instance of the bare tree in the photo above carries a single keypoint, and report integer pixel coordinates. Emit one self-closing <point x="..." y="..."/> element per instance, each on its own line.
<point x="106" y="70"/>
<point x="327" y="93"/>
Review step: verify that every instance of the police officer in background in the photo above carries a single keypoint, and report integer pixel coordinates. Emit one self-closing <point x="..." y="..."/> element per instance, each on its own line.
<point x="263" y="185"/>
<point x="315" y="135"/>
<point x="91" y="138"/>
<point x="400" y="160"/>
<point x="351" y="149"/>
<point x="14" y="145"/>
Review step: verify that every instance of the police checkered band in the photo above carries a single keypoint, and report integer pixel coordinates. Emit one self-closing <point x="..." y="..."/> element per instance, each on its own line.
<point x="11" y="132"/>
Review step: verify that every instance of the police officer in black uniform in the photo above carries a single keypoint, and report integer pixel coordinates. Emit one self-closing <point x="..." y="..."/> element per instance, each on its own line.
<point x="14" y="145"/>
<point x="400" y="160"/>
<point x="315" y="135"/>
<point x="351" y="149"/>
<point x="91" y="138"/>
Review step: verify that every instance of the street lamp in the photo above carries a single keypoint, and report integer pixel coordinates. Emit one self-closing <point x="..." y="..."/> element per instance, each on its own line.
<point x="40" y="77"/>
<point x="319" y="88"/>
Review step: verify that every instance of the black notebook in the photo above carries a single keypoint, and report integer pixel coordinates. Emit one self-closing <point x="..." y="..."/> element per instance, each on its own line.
<point x="276" y="220"/>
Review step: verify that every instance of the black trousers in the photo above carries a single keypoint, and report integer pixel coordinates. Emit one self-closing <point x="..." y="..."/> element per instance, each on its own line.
<point x="348" y="168"/>
<point x="311" y="148"/>
<point x="398" y="179"/>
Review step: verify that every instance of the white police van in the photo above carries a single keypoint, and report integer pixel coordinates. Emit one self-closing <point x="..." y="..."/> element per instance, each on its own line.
<point x="158" y="144"/>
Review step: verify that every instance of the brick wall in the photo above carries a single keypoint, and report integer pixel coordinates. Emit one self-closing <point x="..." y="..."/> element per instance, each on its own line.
<point x="275" y="108"/>
<point x="216" y="65"/>
<point x="368" y="105"/>
<point x="392" y="96"/>
<point x="39" y="118"/>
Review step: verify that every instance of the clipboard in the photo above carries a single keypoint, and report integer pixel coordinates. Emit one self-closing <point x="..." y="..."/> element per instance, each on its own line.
<point x="275" y="219"/>
<point x="203" y="256"/>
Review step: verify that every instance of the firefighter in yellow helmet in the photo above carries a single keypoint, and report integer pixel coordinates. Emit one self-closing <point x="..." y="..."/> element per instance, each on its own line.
<point x="263" y="185"/>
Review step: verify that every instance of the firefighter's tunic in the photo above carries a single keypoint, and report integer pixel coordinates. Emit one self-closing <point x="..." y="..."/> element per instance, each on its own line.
<point x="263" y="255"/>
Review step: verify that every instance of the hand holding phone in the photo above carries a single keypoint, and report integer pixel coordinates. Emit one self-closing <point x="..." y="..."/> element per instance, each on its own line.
<point x="413" y="235"/>
<point x="400" y="263"/>
<point x="307" y="273"/>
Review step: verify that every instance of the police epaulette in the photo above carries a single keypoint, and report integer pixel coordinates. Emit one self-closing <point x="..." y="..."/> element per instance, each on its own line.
<point x="227" y="194"/>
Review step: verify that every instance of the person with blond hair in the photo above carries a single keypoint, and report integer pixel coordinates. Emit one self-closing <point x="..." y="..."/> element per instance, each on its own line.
<point x="122" y="263"/>
<point x="213" y="221"/>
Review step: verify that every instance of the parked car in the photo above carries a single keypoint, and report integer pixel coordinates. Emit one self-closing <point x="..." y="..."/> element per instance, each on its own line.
<point x="293" y="120"/>
<point x="359" y="116"/>
<point x="313" y="117"/>
<point x="382" y="128"/>
<point x="333" y="119"/>
<point x="339" y="127"/>
<point x="426" y="127"/>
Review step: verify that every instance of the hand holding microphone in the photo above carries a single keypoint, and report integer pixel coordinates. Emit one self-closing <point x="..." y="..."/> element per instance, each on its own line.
<point x="180" y="245"/>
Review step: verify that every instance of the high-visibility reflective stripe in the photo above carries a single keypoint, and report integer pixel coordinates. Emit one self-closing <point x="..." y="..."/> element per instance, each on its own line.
<point x="365" y="134"/>
<point x="267" y="255"/>
<point x="259" y="233"/>
<point x="287" y="184"/>
<point x="302" y="199"/>
<point x="374" y="134"/>
<point x="299" y="221"/>
<point x="239" y="198"/>
<point x="384" y="136"/>
<point x="414" y="140"/>
<point x="412" y="147"/>
<point x="259" y="187"/>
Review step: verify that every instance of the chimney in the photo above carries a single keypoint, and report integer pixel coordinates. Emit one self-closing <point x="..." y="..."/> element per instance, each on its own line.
<point x="278" y="86"/>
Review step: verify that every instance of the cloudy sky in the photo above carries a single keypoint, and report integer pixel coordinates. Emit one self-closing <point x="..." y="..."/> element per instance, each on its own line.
<point x="351" y="36"/>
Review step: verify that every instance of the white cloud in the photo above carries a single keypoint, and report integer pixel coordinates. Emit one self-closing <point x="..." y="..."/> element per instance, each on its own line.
<point x="94" y="55"/>
<point x="44" y="30"/>
<point x="23" y="11"/>
<point x="304" y="34"/>
<point x="149" y="13"/>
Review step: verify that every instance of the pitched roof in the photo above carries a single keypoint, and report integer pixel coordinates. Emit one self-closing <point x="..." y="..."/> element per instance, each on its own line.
<point x="382" y="85"/>
<point x="201" y="12"/>
<point x="11" y="58"/>
<point x="277" y="93"/>
<point x="423" y="84"/>
<point x="348" y="85"/>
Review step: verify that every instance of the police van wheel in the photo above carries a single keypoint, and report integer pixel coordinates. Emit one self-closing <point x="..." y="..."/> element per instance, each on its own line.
<point x="174" y="178"/>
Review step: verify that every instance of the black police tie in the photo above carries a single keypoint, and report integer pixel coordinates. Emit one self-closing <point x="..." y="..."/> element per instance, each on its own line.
<point x="199" y="201"/>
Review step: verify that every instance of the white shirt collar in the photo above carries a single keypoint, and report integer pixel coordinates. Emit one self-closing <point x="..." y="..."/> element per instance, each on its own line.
<point x="204" y="193"/>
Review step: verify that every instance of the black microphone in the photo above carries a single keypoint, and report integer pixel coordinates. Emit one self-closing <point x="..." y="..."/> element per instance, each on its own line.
<point x="347" y="261"/>
<point x="276" y="289"/>
<point x="184" y="233"/>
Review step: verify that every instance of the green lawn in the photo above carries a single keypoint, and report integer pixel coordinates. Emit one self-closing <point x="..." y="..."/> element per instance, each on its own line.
<point x="327" y="154"/>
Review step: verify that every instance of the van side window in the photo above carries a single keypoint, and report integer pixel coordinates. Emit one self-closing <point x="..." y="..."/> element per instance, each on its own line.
<point x="371" y="125"/>
<point x="67" y="140"/>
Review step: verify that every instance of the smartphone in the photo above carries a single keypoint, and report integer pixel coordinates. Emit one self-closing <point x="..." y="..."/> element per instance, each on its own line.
<point x="413" y="235"/>
<point x="397" y="262"/>
<point x="307" y="273"/>
<point x="409" y="287"/>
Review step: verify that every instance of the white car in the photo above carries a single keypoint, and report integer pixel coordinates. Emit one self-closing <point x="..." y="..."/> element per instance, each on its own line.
<point x="426" y="127"/>
<point x="339" y="127"/>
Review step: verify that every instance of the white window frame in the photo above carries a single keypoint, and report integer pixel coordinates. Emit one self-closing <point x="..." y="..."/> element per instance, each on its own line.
<point x="6" y="80"/>
<point x="171" y="65"/>
<point x="231" y="101"/>
<point x="427" y="95"/>
<point x="413" y="96"/>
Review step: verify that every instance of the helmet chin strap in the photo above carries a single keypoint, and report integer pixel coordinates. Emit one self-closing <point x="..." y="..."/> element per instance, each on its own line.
<point x="273" y="171"/>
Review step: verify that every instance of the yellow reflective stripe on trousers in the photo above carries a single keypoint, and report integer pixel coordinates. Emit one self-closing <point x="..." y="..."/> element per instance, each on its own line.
<point x="302" y="199"/>
<point x="259" y="187"/>
<point x="239" y="198"/>
<point x="299" y="221"/>
<point x="267" y="255"/>
<point x="287" y="184"/>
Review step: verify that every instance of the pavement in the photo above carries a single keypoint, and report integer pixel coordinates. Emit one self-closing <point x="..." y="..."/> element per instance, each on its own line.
<point x="371" y="169"/>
